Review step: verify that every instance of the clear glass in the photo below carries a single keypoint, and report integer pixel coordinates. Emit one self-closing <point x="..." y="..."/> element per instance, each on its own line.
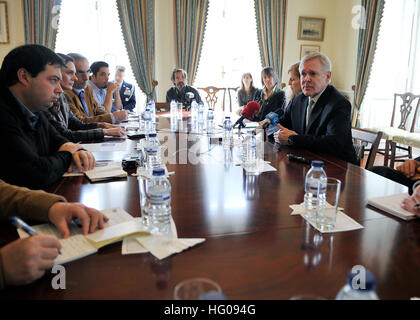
<point x="179" y="104"/>
<point x="326" y="214"/>
<point x="143" y="200"/>
<point x="193" y="289"/>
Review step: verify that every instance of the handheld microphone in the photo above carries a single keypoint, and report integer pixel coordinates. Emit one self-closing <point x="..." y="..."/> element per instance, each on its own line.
<point x="271" y="118"/>
<point x="248" y="113"/>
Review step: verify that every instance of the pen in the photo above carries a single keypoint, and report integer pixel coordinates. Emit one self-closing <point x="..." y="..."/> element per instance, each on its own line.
<point x="19" y="223"/>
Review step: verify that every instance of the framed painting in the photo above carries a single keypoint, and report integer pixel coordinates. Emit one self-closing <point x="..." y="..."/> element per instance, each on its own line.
<point x="306" y="49"/>
<point x="311" y="29"/>
<point x="4" y="28"/>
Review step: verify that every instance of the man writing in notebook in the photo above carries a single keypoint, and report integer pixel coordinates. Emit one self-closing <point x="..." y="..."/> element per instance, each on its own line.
<point x="25" y="260"/>
<point x="35" y="154"/>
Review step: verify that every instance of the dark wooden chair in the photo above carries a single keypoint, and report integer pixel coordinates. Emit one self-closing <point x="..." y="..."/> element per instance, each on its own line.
<point x="361" y="139"/>
<point x="162" y="106"/>
<point x="212" y="96"/>
<point x="232" y="91"/>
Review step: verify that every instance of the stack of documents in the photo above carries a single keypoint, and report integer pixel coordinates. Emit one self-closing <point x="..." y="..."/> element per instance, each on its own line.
<point x="113" y="171"/>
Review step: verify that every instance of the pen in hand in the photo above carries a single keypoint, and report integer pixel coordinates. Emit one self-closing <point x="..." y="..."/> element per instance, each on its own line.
<point x="20" y="224"/>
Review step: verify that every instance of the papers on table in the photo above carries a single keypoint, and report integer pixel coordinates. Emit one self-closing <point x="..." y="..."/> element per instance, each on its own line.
<point x="260" y="167"/>
<point x="343" y="222"/>
<point x="106" y="146"/>
<point x="98" y="164"/>
<point x="112" y="171"/>
<point x="391" y="204"/>
<point x="78" y="246"/>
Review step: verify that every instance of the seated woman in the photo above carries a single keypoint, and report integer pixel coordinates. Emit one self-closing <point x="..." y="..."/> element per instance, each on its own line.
<point x="247" y="91"/>
<point x="293" y="87"/>
<point x="292" y="90"/>
<point x="271" y="98"/>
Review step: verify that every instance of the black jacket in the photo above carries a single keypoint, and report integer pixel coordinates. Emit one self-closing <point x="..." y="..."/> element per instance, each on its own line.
<point x="329" y="126"/>
<point x="30" y="156"/>
<point x="180" y="96"/>
<point x="274" y="103"/>
<point x="69" y="126"/>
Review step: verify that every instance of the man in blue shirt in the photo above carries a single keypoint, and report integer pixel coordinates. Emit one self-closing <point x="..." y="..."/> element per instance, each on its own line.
<point x="127" y="94"/>
<point x="105" y="92"/>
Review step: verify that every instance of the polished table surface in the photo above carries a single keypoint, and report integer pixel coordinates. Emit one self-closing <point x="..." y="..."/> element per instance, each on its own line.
<point x="254" y="248"/>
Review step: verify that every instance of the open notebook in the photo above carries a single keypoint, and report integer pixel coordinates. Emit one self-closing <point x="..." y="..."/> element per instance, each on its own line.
<point x="391" y="204"/>
<point x="104" y="170"/>
<point x="120" y="225"/>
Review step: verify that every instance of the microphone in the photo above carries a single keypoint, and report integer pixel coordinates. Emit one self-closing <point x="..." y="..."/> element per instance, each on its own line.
<point x="248" y="113"/>
<point x="271" y="118"/>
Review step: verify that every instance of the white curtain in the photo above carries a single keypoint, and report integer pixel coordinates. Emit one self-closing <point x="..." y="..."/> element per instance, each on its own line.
<point x="396" y="68"/>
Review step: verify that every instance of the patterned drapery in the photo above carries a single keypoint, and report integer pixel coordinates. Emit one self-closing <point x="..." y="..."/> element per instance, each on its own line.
<point x="137" y="19"/>
<point x="190" y="23"/>
<point x="271" y="28"/>
<point x="41" y="21"/>
<point x="368" y="36"/>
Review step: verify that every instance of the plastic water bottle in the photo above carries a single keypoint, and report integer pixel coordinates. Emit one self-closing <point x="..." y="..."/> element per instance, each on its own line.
<point x="194" y="110"/>
<point x="227" y="132"/>
<point x="314" y="200"/>
<point x="201" y="112"/>
<point x="152" y="106"/>
<point x="152" y="150"/>
<point x="249" y="150"/>
<point x="210" y="120"/>
<point x="147" y="118"/>
<point x="158" y="205"/>
<point x="174" y="109"/>
<point x="359" y="289"/>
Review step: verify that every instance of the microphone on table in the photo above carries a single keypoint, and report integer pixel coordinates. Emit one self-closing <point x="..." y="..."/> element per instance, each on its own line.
<point x="271" y="118"/>
<point x="249" y="112"/>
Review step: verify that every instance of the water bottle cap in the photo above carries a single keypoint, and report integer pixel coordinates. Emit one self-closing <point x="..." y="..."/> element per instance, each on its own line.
<point x="147" y="109"/>
<point x="212" y="295"/>
<point x="369" y="284"/>
<point x="251" y="132"/>
<point x="317" y="164"/>
<point x="158" y="172"/>
<point x="210" y="109"/>
<point x="152" y="135"/>
<point x="227" y="117"/>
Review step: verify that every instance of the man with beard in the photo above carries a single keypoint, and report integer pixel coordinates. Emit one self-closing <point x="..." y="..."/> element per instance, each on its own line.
<point x="181" y="92"/>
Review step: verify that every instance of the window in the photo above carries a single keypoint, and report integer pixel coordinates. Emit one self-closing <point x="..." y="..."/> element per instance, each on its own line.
<point x="92" y="28"/>
<point x="396" y="68"/>
<point x="230" y="45"/>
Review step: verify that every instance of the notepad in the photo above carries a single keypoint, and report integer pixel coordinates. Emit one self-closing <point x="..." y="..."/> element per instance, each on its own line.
<point x="105" y="146"/>
<point x="391" y="204"/>
<point x="121" y="224"/>
<point x="106" y="173"/>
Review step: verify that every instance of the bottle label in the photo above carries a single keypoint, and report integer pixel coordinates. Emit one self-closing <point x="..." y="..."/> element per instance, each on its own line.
<point x="159" y="199"/>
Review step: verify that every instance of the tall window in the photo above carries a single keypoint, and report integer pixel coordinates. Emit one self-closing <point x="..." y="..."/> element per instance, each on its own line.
<point x="92" y="28"/>
<point x="396" y="68"/>
<point x="230" y="45"/>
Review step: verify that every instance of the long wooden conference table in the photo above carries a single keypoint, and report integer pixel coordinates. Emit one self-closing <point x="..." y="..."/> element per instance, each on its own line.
<point x="254" y="248"/>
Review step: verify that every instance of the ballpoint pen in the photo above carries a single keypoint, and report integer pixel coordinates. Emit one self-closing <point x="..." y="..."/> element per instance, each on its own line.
<point x="19" y="223"/>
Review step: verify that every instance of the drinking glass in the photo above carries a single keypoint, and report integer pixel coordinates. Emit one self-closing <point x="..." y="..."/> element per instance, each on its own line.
<point x="198" y="289"/>
<point x="326" y="214"/>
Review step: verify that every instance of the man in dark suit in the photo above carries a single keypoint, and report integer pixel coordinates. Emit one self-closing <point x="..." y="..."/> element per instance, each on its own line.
<point x="127" y="94"/>
<point x="318" y="119"/>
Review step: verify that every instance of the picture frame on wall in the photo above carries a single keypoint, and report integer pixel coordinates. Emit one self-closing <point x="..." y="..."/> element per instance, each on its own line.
<point x="4" y="27"/>
<point x="307" y="49"/>
<point x="311" y="29"/>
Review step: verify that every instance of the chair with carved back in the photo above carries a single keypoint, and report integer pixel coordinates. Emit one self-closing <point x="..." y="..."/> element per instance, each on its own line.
<point x="232" y="91"/>
<point x="212" y="96"/>
<point x="400" y="134"/>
